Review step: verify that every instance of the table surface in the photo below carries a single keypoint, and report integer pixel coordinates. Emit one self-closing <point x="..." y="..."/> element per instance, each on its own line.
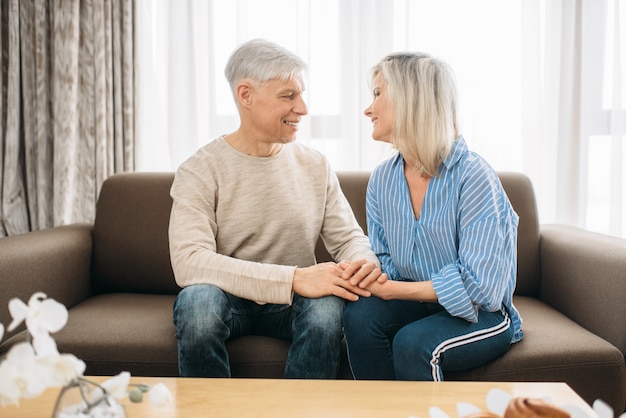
<point x="312" y="398"/>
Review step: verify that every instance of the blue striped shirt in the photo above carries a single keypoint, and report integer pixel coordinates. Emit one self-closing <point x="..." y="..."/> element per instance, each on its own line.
<point x="465" y="239"/>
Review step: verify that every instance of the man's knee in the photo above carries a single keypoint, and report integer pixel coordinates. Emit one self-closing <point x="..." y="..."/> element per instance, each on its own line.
<point x="321" y="313"/>
<point x="200" y="309"/>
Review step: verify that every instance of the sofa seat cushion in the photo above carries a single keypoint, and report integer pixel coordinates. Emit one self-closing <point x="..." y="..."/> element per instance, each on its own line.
<point x="254" y="356"/>
<point x="122" y="332"/>
<point x="135" y="333"/>
<point x="555" y="348"/>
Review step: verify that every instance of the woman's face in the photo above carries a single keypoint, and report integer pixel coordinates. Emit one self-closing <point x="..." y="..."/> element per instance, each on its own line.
<point x="381" y="111"/>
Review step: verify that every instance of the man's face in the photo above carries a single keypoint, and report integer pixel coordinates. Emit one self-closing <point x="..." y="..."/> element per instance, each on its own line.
<point x="276" y="109"/>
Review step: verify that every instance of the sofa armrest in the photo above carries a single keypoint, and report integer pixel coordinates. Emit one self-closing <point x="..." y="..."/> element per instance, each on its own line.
<point x="55" y="261"/>
<point x="583" y="275"/>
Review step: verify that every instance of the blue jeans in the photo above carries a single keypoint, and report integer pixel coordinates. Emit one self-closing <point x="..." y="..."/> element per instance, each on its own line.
<point x="407" y="340"/>
<point x="206" y="317"/>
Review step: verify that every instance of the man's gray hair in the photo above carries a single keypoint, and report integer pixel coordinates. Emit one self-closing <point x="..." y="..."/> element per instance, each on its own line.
<point x="261" y="60"/>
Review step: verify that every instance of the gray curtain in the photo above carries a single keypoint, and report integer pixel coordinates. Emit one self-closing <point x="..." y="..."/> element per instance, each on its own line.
<point x="66" y="108"/>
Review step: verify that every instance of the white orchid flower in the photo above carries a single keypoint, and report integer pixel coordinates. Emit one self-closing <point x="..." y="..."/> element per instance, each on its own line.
<point x="31" y="367"/>
<point x="159" y="395"/>
<point x="117" y="387"/>
<point x="497" y="400"/>
<point x="21" y="375"/>
<point x="61" y="369"/>
<point x="41" y="315"/>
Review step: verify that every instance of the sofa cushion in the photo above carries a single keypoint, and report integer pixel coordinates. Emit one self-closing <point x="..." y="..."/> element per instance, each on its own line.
<point x="134" y="332"/>
<point x="122" y="331"/>
<point x="519" y="189"/>
<point x="130" y="241"/>
<point x="555" y="348"/>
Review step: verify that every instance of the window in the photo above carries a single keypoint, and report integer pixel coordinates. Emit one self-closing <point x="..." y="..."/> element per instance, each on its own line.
<point x="541" y="84"/>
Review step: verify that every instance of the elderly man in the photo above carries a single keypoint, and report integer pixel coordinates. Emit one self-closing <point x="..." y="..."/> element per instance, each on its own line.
<point x="248" y="210"/>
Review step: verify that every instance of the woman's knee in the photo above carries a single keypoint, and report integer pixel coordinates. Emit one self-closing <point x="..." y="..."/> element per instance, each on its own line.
<point x="366" y="312"/>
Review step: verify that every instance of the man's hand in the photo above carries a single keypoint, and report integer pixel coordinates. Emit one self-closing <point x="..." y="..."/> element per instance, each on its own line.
<point x="362" y="273"/>
<point x="325" y="279"/>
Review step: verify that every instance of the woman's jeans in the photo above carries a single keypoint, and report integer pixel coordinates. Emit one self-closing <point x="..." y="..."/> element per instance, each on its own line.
<point x="408" y="340"/>
<point x="206" y="317"/>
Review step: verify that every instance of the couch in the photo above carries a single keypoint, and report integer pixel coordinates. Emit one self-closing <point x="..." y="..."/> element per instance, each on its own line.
<point x="116" y="279"/>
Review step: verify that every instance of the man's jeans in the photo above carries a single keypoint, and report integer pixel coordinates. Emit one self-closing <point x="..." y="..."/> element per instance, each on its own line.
<point x="408" y="340"/>
<point x="206" y="317"/>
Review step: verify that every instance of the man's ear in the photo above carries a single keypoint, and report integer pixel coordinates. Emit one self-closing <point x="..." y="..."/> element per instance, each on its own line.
<point x="243" y="93"/>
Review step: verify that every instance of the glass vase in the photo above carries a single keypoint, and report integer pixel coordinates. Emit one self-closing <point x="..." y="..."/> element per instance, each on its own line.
<point x="86" y="399"/>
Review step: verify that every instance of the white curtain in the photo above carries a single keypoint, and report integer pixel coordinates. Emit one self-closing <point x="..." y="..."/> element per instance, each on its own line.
<point x="540" y="83"/>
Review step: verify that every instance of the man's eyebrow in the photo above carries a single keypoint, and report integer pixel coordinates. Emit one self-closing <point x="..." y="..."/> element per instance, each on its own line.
<point x="290" y="91"/>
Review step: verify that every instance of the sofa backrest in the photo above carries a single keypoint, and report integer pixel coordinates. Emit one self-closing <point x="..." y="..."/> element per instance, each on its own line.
<point x="131" y="251"/>
<point x="130" y="242"/>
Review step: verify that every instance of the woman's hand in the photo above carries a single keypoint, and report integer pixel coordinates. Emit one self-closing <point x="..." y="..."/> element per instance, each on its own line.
<point x="362" y="273"/>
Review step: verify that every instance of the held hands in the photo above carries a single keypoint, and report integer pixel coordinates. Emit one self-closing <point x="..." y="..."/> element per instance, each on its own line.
<point x="366" y="275"/>
<point x="362" y="273"/>
<point x="344" y="280"/>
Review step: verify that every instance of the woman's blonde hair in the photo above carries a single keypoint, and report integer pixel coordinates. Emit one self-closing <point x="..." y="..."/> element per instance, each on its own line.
<point x="424" y="94"/>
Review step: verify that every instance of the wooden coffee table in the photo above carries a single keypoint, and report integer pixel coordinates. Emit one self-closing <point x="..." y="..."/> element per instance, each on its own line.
<point x="311" y="398"/>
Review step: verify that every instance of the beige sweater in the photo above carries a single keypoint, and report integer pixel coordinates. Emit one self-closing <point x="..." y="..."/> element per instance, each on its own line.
<point x="244" y="223"/>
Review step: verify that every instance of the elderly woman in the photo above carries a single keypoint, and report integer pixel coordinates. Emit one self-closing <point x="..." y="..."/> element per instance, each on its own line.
<point x="445" y="233"/>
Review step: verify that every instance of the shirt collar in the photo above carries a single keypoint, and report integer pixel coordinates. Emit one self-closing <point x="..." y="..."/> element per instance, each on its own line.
<point x="459" y="147"/>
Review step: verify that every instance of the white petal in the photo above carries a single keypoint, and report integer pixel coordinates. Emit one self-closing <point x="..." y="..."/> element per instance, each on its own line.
<point x="159" y="395"/>
<point x="464" y="409"/>
<point x="21" y="353"/>
<point x="45" y="345"/>
<point x="53" y="315"/>
<point x="574" y="411"/>
<point x="436" y="412"/>
<point x="117" y="387"/>
<point x="19" y="312"/>
<point x="35" y="299"/>
<point x="61" y="369"/>
<point x="10" y="392"/>
<point x="602" y="409"/>
<point x="20" y="373"/>
<point x="497" y="400"/>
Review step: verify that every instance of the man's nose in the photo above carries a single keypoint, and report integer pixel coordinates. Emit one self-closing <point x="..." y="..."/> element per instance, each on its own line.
<point x="300" y="107"/>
